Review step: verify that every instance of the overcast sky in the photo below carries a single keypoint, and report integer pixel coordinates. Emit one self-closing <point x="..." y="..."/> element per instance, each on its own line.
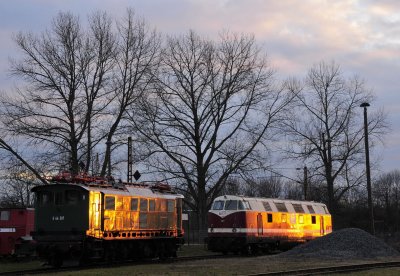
<point x="362" y="36"/>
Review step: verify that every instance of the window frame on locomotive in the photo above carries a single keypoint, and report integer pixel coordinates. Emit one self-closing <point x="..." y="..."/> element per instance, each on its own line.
<point x="241" y="205"/>
<point x="5" y="215"/>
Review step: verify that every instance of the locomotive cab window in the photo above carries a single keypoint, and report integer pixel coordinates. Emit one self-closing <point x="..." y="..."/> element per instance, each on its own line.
<point x="59" y="198"/>
<point x="134" y="204"/>
<point x="246" y="205"/>
<point x="71" y="197"/>
<point x="45" y="198"/>
<point x="110" y="203"/>
<point x="313" y="220"/>
<point x="218" y="205"/>
<point x="152" y="205"/>
<point x="241" y="205"/>
<point x="231" y="205"/>
<point x="170" y="205"/>
<point x="269" y="217"/>
<point x="143" y="205"/>
<point x="4" y="215"/>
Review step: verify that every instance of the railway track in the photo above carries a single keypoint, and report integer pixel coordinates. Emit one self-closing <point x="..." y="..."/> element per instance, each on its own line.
<point x="330" y="270"/>
<point x="70" y="268"/>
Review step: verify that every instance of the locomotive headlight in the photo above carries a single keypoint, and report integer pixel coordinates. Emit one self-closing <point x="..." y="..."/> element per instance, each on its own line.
<point x="234" y="230"/>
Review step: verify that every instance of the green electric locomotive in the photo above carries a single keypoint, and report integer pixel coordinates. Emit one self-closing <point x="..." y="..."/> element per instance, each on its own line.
<point x="84" y="218"/>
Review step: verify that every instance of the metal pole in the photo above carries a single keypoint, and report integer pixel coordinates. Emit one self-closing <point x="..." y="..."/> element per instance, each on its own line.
<point x="130" y="160"/>
<point x="305" y="182"/>
<point x="370" y="206"/>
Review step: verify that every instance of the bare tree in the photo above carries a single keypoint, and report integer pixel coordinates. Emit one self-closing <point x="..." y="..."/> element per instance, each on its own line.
<point x="269" y="187"/>
<point x="79" y="84"/>
<point x="98" y="61"/>
<point x="137" y="56"/>
<point x="387" y="195"/>
<point x="233" y="186"/>
<point x="64" y="70"/>
<point x="292" y="191"/>
<point x="210" y="112"/>
<point x="8" y="148"/>
<point x="16" y="185"/>
<point x="328" y="136"/>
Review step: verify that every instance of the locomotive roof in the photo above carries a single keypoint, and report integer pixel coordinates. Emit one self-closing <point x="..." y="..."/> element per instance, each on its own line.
<point x="235" y="197"/>
<point x="256" y="203"/>
<point x="126" y="190"/>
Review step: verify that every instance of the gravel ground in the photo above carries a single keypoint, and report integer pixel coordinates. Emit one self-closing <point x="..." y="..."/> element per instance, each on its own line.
<point x="345" y="243"/>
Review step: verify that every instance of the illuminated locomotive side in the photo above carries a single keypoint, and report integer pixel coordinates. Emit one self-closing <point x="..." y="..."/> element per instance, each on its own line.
<point x="247" y="224"/>
<point x="86" y="221"/>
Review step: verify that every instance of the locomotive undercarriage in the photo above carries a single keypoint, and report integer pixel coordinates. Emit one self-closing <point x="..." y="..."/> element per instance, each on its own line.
<point x="92" y="250"/>
<point x="247" y="245"/>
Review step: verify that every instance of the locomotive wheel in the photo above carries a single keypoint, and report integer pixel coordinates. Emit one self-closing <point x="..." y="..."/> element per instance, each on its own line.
<point x="123" y="252"/>
<point x="162" y="252"/>
<point x="56" y="260"/>
<point x="266" y="249"/>
<point x="109" y="253"/>
<point x="148" y="251"/>
<point x="250" y="249"/>
<point x="108" y="257"/>
<point x="171" y="249"/>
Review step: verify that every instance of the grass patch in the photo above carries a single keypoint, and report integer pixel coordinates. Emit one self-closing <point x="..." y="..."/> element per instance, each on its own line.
<point x="394" y="271"/>
<point x="194" y="250"/>
<point x="229" y="266"/>
<point x="15" y="265"/>
<point x="225" y="266"/>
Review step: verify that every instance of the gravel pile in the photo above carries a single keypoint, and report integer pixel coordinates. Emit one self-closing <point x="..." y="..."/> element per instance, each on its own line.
<point x="345" y="243"/>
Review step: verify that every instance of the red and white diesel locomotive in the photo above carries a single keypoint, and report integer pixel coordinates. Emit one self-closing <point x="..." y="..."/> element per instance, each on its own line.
<point x="247" y="225"/>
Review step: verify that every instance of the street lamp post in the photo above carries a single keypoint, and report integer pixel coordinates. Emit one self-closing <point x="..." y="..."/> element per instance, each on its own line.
<point x="370" y="207"/>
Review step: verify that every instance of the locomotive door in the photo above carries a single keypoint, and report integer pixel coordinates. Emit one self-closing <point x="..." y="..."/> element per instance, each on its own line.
<point x="95" y="219"/>
<point x="322" y="229"/>
<point x="259" y="224"/>
<point x="179" y="215"/>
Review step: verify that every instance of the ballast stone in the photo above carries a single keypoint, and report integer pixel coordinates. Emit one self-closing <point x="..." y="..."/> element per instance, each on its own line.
<point x="344" y="243"/>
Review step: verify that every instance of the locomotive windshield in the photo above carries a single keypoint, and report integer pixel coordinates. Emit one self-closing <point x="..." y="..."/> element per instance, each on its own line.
<point x="44" y="198"/>
<point x="67" y="197"/>
<point x="230" y="205"/>
<point x="218" y="205"/>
